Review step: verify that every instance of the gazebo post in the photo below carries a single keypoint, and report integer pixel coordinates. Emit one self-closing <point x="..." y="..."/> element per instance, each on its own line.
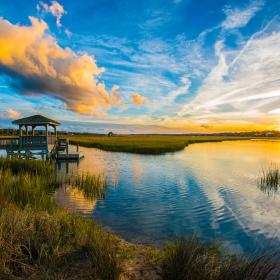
<point x="26" y="130"/>
<point x="47" y="140"/>
<point x="33" y="132"/>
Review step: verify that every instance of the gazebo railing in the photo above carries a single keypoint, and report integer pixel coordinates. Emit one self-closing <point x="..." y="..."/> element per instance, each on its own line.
<point x="33" y="141"/>
<point x="36" y="141"/>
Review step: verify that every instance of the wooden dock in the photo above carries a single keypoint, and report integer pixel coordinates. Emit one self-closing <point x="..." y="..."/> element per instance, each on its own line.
<point x="60" y="152"/>
<point x="69" y="157"/>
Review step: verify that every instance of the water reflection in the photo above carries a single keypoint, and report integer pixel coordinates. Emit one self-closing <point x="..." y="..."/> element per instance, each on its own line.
<point x="208" y="188"/>
<point x="74" y="200"/>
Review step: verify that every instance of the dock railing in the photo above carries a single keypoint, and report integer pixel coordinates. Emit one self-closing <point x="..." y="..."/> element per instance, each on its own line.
<point x="8" y="142"/>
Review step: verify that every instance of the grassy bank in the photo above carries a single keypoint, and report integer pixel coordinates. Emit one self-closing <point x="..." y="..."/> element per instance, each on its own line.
<point x="39" y="240"/>
<point x="191" y="259"/>
<point x="141" y="144"/>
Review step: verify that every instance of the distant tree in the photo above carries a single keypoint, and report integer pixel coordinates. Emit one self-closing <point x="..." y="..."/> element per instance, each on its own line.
<point x="110" y="134"/>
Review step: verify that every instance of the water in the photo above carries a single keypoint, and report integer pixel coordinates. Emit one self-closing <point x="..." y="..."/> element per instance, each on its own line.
<point x="209" y="189"/>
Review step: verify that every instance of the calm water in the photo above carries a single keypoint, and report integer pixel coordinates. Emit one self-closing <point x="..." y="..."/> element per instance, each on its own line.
<point x="208" y="188"/>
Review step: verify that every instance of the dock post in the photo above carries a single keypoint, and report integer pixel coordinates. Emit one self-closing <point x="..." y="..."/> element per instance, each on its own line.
<point x="67" y="146"/>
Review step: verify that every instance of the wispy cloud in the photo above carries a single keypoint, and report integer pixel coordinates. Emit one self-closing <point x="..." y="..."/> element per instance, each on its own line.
<point x="55" y="9"/>
<point x="245" y="82"/>
<point x="239" y="17"/>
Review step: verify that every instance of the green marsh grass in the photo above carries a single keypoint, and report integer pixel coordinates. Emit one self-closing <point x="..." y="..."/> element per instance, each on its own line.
<point x="25" y="189"/>
<point x="269" y="179"/>
<point x="38" y="240"/>
<point x="191" y="259"/>
<point x="39" y="245"/>
<point x="37" y="167"/>
<point x="92" y="186"/>
<point x="144" y="144"/>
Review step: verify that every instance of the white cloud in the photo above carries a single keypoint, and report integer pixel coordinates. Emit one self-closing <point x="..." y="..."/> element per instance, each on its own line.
<point x="55" y="9"/>
<point x="239" y="17"/>
<point x="275" y="111"/>
<point x="244" y="83"/>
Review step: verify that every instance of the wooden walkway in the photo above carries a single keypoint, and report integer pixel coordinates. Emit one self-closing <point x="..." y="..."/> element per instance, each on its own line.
<point x="60" y="152"/>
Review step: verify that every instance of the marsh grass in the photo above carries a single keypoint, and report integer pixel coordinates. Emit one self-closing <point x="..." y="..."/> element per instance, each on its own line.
<point x="144" y="144"/>
<point x="191" y="259"/>
<point x="58" y="246"/>
<point x="92" y="186"/>
<point x="35" y="167"/>
<point x="25" y="189"/>
<point x="269" y="179"/>
<point x="38" y="240"/>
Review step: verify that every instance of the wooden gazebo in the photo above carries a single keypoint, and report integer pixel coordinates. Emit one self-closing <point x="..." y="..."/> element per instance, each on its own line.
<point x="30" y="139"/>
<point x="31" y="142"/>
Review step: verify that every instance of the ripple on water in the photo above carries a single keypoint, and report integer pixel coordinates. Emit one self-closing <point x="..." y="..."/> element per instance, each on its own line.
<point x="208" y="188"/>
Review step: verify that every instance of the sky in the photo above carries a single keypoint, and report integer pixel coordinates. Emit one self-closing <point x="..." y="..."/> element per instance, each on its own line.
<point x="155" y="66"/>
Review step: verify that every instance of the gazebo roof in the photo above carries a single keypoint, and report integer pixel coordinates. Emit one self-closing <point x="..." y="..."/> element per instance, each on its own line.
<point x="36" y="120"/>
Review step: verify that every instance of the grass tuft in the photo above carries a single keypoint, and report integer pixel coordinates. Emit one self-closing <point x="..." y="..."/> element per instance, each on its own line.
<point x="92" y="186"/>
<point x="269" y="179"/>
<point x="191" y="259"/>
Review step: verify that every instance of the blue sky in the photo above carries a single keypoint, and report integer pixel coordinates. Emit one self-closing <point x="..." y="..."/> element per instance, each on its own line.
<point x="169" y="65"/>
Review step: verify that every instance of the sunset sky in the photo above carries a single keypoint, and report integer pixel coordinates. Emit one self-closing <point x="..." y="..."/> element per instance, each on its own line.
<point x="142" y="66"/>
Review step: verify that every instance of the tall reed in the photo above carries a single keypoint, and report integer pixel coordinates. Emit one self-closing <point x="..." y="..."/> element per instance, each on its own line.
<point x="25" y="189"/>
<point x="37" y="167"/>
<point x="191" y="259"/>
<point x="93" y="186"/>
<point x="269" y="179"/>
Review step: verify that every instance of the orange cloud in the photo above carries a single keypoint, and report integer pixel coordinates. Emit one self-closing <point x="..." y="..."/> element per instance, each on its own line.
<point x="38" y="65"/>
<point x="10" y="114"/>
<point x="139" y="99"/>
